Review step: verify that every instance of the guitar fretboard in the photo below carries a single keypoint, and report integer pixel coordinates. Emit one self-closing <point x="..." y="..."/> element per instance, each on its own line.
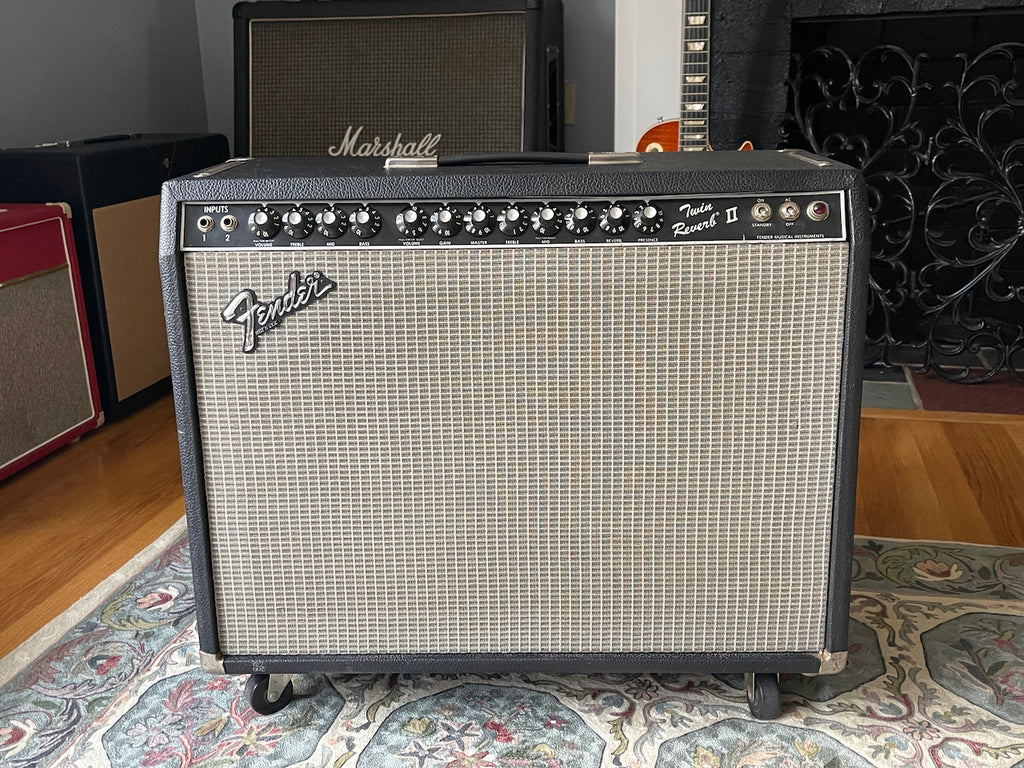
<point x="694" y="75"/>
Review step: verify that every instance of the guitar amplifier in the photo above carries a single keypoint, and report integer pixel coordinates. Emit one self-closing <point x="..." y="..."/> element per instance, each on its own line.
<point x="361" y="77"/>
<point x="48" y="384"/>
<point x="599" y="414"/>
<point x="112" y="187"/>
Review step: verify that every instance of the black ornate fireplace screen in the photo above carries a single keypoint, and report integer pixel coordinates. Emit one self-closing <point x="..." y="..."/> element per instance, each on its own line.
<point x="939" y="137"/>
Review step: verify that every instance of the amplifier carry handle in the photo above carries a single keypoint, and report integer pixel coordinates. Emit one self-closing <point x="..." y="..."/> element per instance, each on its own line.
<point x="514" y="158"/>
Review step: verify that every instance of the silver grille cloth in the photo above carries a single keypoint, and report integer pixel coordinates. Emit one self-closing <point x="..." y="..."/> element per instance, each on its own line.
<point x="44" y="387"/>
<point x="597" y="449"/>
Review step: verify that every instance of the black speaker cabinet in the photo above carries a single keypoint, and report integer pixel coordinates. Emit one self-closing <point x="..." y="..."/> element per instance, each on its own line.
<point x="405" y="77"/>
<point x="567" y="417"/>
<point x="112" y="186"/>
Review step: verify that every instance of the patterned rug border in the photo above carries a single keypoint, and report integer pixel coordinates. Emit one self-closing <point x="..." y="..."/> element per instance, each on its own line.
<point x="44" y="639"/>
<point x="936" y="638"/>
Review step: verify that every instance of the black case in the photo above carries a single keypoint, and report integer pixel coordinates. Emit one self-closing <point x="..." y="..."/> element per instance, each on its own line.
<point x="543" y="108"/>
<point x="95" y="173"/>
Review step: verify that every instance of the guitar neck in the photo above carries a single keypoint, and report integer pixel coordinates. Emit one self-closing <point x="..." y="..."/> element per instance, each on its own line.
<point x="694" y="76"/>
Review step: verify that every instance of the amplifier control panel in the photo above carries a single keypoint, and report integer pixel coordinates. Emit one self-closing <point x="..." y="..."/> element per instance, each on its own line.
<point x="476" y="223"/>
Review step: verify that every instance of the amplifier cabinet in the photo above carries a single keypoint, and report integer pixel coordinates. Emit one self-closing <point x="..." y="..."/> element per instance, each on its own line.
<point x="361" y="77"/>
<point x="519" y="417"/>
<point x="48" y="392"/>
<point x="112" y="186"/>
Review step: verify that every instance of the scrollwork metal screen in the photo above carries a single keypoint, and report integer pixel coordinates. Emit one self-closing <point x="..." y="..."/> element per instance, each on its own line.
<point x="934" y="118"/>
<point x="554" y="449"/>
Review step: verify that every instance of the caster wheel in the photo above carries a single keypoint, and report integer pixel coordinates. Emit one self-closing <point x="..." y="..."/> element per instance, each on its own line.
<point x="258" y="692"/>
<point x="763" y="696"/>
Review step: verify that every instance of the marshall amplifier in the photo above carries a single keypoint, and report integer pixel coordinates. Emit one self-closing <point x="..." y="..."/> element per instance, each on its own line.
<point x="497" y="417"/>
<point x="406" y="77"/>
<point x="112" y="187"/>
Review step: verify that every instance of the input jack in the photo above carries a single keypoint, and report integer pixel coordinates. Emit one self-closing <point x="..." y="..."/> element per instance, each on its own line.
<point x="206" y="223"/>
<point x="229" y="223"/>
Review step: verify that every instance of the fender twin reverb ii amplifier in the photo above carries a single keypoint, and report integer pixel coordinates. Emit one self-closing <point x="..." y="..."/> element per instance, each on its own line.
<point x="499" y="417"/>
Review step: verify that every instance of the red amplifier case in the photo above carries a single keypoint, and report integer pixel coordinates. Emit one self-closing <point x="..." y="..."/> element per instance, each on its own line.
<point x="48" y="391"/>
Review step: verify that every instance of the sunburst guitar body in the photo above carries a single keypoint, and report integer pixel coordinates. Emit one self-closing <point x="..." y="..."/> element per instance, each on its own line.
<point x="664" y="137"/>
<point x="660" y="137"/>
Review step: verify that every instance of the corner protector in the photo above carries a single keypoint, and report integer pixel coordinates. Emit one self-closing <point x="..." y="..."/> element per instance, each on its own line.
<point x="220" y="168"/>
<point x="832" y="663"/>
<point x="66" y="207"/>
<point x="212" y="663"/>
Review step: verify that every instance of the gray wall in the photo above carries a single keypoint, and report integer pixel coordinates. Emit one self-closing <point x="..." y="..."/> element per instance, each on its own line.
<point x="71" y="69"/>
<point x="216" y="42"/>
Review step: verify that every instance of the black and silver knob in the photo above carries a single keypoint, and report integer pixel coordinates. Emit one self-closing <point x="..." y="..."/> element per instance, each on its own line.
<point x="332" y="222"/>
<point x="512" y="221"/>
<point x="479" y="221"/>
<point x="264" y="222"/>
<point x="546" y="221"/>
<point x="412" y="221"/>
<point x="614" y="219"/>
<point x="364" y="222"/>
<point x="445" y="221"/>
<point x="298" y="222"/>
<point x="581" y="219"/>
<point x="648" y="218"/>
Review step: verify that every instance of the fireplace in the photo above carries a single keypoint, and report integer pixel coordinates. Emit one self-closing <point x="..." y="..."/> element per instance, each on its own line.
<point x="928" y="100"/>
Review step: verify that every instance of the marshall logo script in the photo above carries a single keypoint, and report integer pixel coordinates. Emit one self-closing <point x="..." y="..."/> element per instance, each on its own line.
<point x="396" y="147"/>
<point x="257" y="317"/>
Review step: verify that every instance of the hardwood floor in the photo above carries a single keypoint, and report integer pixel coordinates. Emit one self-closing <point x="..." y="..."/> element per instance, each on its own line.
<point x="71" y="520"/>
<point x="941" y="476"/>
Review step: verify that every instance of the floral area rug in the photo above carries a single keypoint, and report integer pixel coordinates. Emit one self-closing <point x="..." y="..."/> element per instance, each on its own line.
<point x="936" y="678"/>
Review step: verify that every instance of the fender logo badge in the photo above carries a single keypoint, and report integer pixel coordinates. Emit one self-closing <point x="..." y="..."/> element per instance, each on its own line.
<point x="258" y="317"/>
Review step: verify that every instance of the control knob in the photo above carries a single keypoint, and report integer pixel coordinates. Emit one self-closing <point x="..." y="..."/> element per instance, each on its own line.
<point x="411" y="221"/>
<point x="298" y="222"/>
<point x="581" y="220"/>
<point x="546" y="221"/>
<point x="512" y="221"/>
<point x="331" y="222"/>
<point x="479" y="221"/>
<point x="648" y="218"/>
<point x="614" y="219"/>
<point x="264" y="222"/>
<point x="445" y="221"/>
<point x="365" y="222"/>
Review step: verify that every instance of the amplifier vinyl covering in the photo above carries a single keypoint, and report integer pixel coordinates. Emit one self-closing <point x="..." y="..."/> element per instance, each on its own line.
<point x="526" y="454"/>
